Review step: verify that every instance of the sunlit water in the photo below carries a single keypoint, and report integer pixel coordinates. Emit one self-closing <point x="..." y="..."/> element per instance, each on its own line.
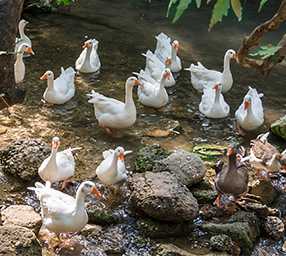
<point x="125" y="30"/>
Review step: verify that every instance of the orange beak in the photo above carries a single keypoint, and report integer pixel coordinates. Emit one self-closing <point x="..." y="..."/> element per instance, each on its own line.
<point x="176" y="45"/>
<point x="168" y="62"/>
<point x="55" y="145"/>
<point x="44" y="77"/>
<point x="84" y="45"/>
<point x="246" y="104"/>
<point x="96" y="192"/>
<point x="30" y="51"/>
<point x="230" y="151"/>
<point x="216" y="87"/>
<point x="121" y="157"/>
<point x="167" y="75"/>
<point x="137" y="82"/>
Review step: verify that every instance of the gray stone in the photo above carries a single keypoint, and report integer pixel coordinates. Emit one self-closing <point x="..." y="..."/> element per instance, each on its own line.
<point x="16" y="240"/>
<point x="188" y="167"/>
<point x="22" y="215"/>
<point x="162" y="197"/>
<point x="23" y="157"/>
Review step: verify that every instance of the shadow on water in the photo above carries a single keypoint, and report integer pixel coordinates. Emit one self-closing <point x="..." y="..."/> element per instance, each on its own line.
<point x="125" y="30"/>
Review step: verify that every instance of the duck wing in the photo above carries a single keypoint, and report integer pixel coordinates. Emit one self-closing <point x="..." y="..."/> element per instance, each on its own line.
<point x="256" y="102"/>
<point x="163" y="47"/>
<point x="207" y="75"/>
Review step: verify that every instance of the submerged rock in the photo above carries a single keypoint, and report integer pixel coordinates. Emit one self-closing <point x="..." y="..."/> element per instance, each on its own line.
<point x="170" y="250"/>
<point x="162" y="197"/>
<point x="23" y="157"/>
<point x="156" y="229"/>
<point x="148" y="156"/>
<point x="243" y="227"/>
<point x="22" y="215"/>
<point x="188" y="167"/>
<point x="263" y="189"/>
<point x="274" y="227"/>
<point x="16" y="240"/>
<point x="222" y="243"/>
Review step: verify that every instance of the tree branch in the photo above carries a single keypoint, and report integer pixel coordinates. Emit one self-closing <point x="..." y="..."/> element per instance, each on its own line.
<point x="253" y="40"/>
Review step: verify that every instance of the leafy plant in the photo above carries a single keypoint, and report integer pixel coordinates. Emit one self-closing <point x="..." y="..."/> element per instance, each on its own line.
<point x="221" y="8"/>
<point x="266" y="51"/>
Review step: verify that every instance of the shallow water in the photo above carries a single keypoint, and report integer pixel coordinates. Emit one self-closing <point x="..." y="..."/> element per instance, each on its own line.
<point x="126" y="29"/>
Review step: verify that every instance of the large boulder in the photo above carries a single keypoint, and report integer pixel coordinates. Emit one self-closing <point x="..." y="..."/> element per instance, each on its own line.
<point x="162" y="197"/>
<point x="22" y="215"/>
<point x="16" y="240"/>
<point x="188" y="167"/>
<point x="23" y="157"/>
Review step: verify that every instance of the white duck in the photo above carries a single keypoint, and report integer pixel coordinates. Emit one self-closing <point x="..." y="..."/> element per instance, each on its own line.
<point x="212" y="104"/>
<point x="165" y="49"/>
<point x="250" y="115"/>
<point x="88" y="61"/>
<point x="151" y="93"/>
<point x="112" y="113"/>
<point x="62" y="213"/>
<point x="60" y="90"/>
<point x="59" y="166"/>
<point x="155" y="68"/>
<point x="19" y="66"/>
<point x="202" y="77"/>
<point x="23" y="37"/>
<point x="112" y="169"/>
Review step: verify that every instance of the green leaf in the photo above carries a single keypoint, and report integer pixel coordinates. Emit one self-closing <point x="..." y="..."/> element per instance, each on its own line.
<point x="198" y="2"/>
<point x="262" y="3"/>
<point x="236" y="7"/>
<point x="220" y="9"/>
<point x="171" y="6"/>
<point x="266" y="51"/>
<point x="181" y="7"/>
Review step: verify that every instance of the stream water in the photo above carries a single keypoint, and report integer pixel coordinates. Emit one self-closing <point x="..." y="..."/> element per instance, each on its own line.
<point x="126" y="29"/>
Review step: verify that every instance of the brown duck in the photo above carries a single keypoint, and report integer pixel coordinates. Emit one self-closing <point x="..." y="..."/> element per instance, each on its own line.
<point x="231" y="178"/>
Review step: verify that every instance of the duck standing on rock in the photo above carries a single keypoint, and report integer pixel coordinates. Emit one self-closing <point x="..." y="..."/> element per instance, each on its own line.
<point x="88" y="61"/>
<point x="264" y="157"/>
<point x="202" y="77"/>
<point x="59" y="166"/>
<point x="231" y="178"/>
<point x="113" y="114"/>
<point x="62" y="213"/>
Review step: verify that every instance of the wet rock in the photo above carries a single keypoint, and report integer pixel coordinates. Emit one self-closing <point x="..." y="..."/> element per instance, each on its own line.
<point x="171" y="250"/>
<point x="16" y="240"/>
<point x="243" y="227"/>
<point x="222" y="243"/>
<point x="165" y="128"/>
<point x="90" y="230"/>
<point x="23" y="157"/>
<point x="274" y="227"/>
<point x="204" y="196"/>
<point x="22" y="215"/>
<point x="280" y="204"/>
<point x="121" y="240"/>
<point x="188" y="167"/>
<point x="148" y="156"/>
<point x="264" y="190"/>
<point x="161" y="196"/>
<point x="98" y="215"/>
<point x="268" y="248"/>
<point x="156" y="229"/>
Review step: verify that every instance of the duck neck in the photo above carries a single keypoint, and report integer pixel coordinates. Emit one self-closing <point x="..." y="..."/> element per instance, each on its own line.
<point x="21" y="31"/>
<point x="226" y="74"/>
<point x="232" y="162"/>
<point x="249" y="113"/>
<point x="79" y="199"/>
<point x="87" y="56"/>
<point x="129" y="97"/>
<point x="173" y="54"/>
<point x="50" y="82"/>
<point x="19" y="57"/>
<point x="162" y="83"/>
<point x="217" y="95"/>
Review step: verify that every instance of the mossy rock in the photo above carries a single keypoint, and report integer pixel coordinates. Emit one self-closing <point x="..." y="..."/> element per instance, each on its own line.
<point x="209" y="152"/>
<point x="204" y="196"/>
<point x="101" y="216"/>
<point x="147" y="157"/>
<point x="279" y="127"/>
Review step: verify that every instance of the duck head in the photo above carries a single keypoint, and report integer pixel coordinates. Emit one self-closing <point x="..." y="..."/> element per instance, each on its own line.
<point x="23" y="23"/>
<point x="168" y="62"/>
<point x="55" y="143"/>
<point x="25" y="48"/>
<point x="230" y="54"/>
<point x="176" y="45"/>
<point x="247" y="102"/>
<point x="48" y="75"/>
<point x="217" y="88"/>
<point x="89" y="188"/>
<point x="166" y="74"/>
<point x="132" y="81"/>
<point x="119" y="152"/>
<point x="87" y="44"/>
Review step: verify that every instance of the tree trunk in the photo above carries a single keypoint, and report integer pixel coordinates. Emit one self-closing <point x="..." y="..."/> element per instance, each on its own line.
<point x="10" y="14"/>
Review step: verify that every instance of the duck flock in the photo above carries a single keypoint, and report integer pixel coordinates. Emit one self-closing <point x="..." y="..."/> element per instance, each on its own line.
<point x="62" y="213"/>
